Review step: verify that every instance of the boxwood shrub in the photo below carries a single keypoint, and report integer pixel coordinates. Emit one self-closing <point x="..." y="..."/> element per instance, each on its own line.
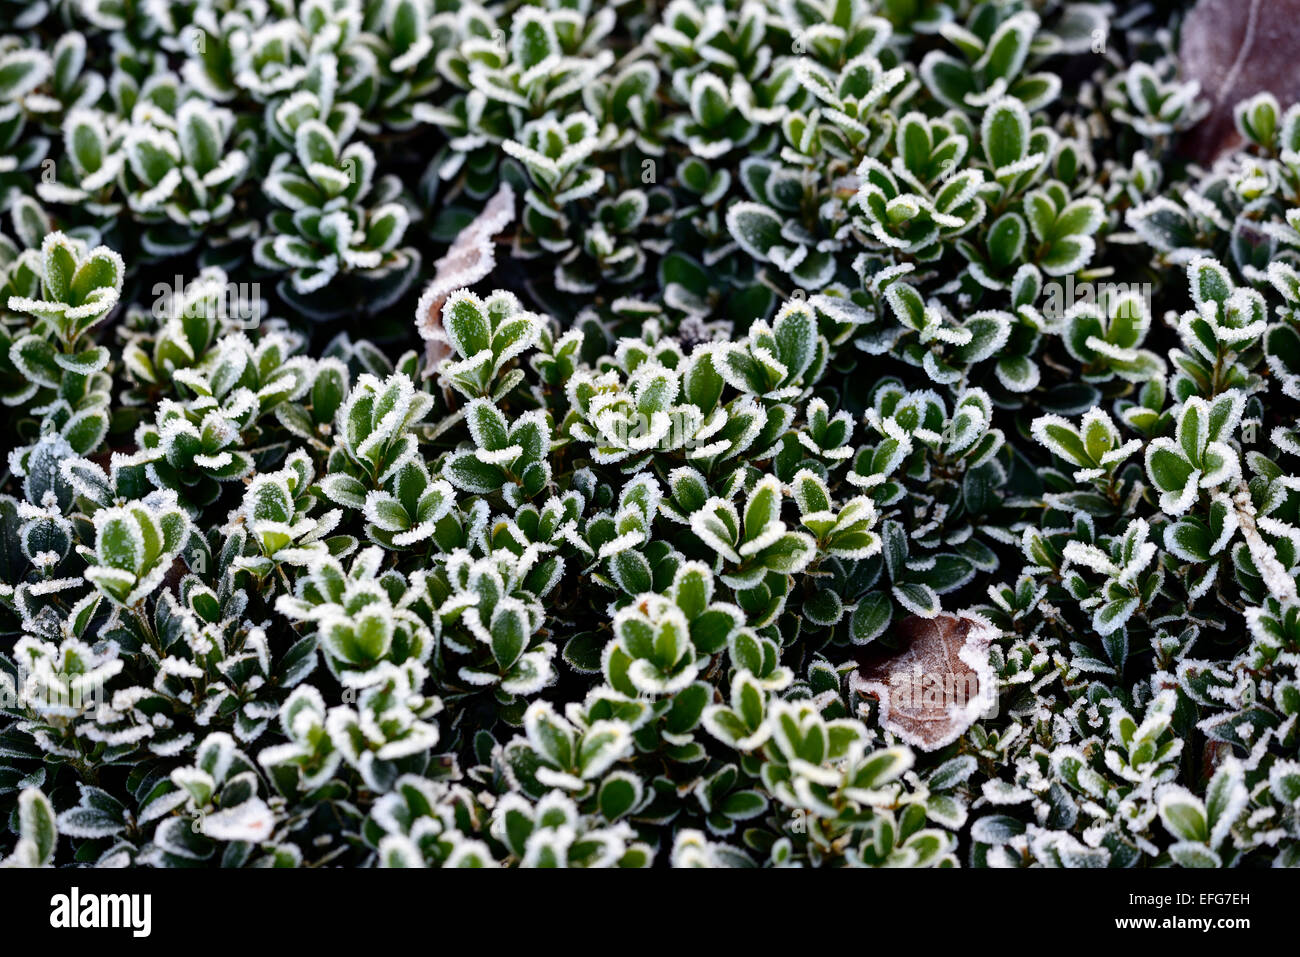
<point x="704" y="433"/>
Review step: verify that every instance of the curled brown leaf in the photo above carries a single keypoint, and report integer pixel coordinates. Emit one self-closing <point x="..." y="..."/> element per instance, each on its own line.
<point x="937" y="684"/>
<point x="1235" y="49"/>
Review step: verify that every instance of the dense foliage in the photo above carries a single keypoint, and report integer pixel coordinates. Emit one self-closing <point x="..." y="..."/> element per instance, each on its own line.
<point x="807" y="318"/>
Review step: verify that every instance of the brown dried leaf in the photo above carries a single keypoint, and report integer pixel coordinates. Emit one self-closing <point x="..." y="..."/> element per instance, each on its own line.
<point x="938" y="683"/>
<point x="469" y="259"/>
<point x="1237" y="48"/>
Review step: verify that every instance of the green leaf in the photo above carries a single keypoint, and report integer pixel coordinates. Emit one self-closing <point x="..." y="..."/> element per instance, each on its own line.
<point x="1006" y="239"/>
<point x="1188" y="854"/>
<point x="487" y="425"/>
<point x="755" y="227"/>
<point x="1209" y="280"/>
<point x="36" y="824"/>
<point x="59" y="266"/>
<point x="1169" y="470"/>
<point x="315" y="143"/>
<point x="509" y="629"/>
<point x="632" y="572"/>
<point x="692" y="588"/>
<point x="1184" y="815"/>
<point x="1008" y="48"/>
<point x="619" y="793"/>
<point x="468" y="328"/>
<point x="199" y="135"/>
<point x="1005" y="132"/>
<point x="119" y="543"/>
<point x="101" y="269"/>
<point x="533" y="40"/>
<point x="870" y="618"/>
<point x="763" y="507"/>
